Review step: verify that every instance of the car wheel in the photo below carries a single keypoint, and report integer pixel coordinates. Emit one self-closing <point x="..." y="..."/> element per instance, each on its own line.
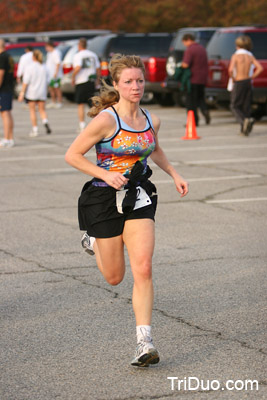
<point x="259" y="112"/>
<point x="147" y="98"/>
<point x="164" y="99"/>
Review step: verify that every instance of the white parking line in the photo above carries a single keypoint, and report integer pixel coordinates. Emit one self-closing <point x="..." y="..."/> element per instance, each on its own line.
<point x="93" y="155"/>
<point x="226" y="147"/>
<point x="236" y="200"/>
<point x="226" y="161"/>
<point x="33" y="158"/>
<point x="212" y="178"/>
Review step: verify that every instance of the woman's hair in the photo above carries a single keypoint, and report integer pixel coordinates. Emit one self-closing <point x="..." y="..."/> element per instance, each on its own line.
<point x="108" y="94"/>
<point x="38" y="55"/>
<point x="244" y="42"/>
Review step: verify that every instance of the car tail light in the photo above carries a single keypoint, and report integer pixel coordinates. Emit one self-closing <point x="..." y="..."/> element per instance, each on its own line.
<point x="67" y="68"/>
<point x="152" y="68"/>
<point x="104" y="68"/>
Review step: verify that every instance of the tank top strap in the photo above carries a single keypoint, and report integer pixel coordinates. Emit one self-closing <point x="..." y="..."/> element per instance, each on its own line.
<point x="148" y="117"/>
<point x="118" y="118"/>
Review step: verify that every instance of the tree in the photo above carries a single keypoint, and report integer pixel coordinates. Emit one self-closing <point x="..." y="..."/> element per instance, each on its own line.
<point x="35" y="15"/>
<point x="126" y="15"/>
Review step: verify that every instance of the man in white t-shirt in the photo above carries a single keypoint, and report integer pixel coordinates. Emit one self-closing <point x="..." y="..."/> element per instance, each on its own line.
<point x="24" y="61"/>
<point x="55" y="73"/>
<point x="86" y="77"/>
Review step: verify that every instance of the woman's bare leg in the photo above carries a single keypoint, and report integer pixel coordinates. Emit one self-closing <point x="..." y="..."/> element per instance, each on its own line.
<point x="139" y="238"/>
<point x="33" y="116"/>
<point x="110" y="258"/>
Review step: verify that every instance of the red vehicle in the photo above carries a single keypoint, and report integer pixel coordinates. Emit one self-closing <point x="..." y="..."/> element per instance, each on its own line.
<point x="220" y="49"/>
<point x="151" y="47"/>
<point x="16" y="50"/>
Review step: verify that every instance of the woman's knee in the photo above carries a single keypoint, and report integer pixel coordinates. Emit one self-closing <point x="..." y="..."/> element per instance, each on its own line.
<point x="113" y="274"/>
<point x="143" y="271"/>
<point x="114" y="279"/>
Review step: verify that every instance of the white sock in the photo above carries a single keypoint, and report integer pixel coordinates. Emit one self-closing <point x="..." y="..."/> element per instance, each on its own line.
<point x="82" y="125"/>
<point x="45" y="121"/>
<point x="92" y="241"/>
<point x="143" y="331"/>
<point x="35" y="129"/>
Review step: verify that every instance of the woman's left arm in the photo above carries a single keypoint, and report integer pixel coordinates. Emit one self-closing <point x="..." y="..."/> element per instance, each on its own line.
<point x="160" y="158"/>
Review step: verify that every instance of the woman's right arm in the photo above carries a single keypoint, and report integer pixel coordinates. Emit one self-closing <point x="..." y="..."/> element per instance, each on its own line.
<point x="258" y="68"/>
<point x="101" y="126"/>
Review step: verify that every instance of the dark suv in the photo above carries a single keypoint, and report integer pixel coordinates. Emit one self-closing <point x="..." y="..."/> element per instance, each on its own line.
<point x="220" y="49"/>
<point x="176" y="52"/>
<point x="151" y="47"/>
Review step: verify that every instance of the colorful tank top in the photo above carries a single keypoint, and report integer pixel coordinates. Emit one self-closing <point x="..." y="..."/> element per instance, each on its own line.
<point x="121" y="151"/>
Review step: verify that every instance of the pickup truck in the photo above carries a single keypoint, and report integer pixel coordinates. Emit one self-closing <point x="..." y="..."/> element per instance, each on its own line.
<point x="151" y="47"/>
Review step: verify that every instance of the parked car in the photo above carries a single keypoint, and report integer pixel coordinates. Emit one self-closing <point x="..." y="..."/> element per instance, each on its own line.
<point x="60" y="36"/>
<point x="152" y="47"/>
<point x="18" y="37"/>
<point x="63" y="47"/>
<point x="16" y="50"/>
<point x="176" y="52"/>
<point x="220" y="49"/>
<point x="55" y="36"/>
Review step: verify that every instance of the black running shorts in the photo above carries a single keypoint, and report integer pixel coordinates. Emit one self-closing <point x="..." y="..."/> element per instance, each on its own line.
<point x="98" y="215"/>
<point x="83" y="92"/>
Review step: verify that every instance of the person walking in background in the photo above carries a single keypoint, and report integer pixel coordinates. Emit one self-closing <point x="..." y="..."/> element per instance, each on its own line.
<point x="34" y="90"/>
<point x="242" y="69"/>
<point x="85" y="77"/>
<point x="6" y="95"/>
<point x="195" y="58"/>
<point x="24" y="61"/>
<point x="53" y="64"/>
<point x="117" y="208"/>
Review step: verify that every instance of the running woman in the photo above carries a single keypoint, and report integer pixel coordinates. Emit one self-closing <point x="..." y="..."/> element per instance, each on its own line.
<point x="117" y="207"/>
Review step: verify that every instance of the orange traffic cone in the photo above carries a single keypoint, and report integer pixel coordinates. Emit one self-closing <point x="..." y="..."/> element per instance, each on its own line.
<point x="190" y="132"/>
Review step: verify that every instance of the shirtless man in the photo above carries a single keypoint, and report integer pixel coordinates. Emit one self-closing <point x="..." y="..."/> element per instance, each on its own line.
<point x="242" y="69"/>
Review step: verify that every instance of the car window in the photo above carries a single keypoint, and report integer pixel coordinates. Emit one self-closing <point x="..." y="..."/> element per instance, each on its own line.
<point x="222" y="44"/>
<point x="142" y="45"/>
<point x="205" y="36"/>
<point x="70" y="54"/>
<point x="97" y="45"/>
<point x="63" y="49"/>
<point x="201" y="37"/>
<point x="177" y="43"/>
<point x="17" y="52"/>
<point x="259" y="40"/>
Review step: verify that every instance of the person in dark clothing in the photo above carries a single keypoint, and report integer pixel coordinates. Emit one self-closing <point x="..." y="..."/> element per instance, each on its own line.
<point x="6" y="95"/>
<point x="195" y="58"/>
<point x="243" y="69"/>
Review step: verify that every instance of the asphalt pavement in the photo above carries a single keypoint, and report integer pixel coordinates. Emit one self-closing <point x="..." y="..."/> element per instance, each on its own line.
<point x="67" y="335"/>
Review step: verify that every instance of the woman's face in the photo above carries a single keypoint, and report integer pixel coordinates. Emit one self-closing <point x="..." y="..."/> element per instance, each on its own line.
<point x="131" y="84"/>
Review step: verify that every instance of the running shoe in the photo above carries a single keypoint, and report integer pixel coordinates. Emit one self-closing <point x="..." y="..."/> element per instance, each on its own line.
<point x="10" y="143"/>
<point x="87" y="244"/>
<point x="246" y="127"/>
<point x="7" y="143"/>
<point x="145" y="353"/>
<point x="51" y="105"/>
<point x="250" y="125"/>
<point x="3" y="143"/>
<point x="33" y="133"/>
<point x="47" y="128"/>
